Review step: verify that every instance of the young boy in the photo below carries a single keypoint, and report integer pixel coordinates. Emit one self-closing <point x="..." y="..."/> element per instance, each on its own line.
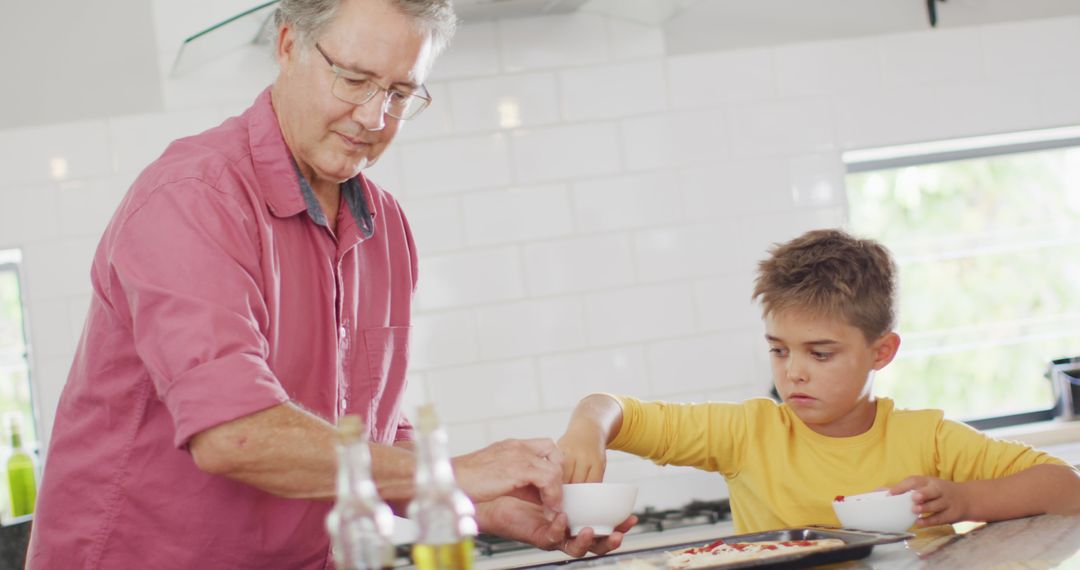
<point x="827" y="301"/>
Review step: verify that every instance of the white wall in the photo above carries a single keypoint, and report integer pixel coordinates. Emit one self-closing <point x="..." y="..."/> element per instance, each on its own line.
<point x="606" y="243"/>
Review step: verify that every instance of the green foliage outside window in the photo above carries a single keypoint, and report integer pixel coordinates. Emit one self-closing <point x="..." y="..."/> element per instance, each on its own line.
<point x="15" y="399"/>
<point x="989" y="257"/>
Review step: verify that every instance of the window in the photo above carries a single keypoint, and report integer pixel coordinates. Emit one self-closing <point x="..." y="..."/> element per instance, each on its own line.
<point x="15" y="394"/>
<point x="986" y="233"/>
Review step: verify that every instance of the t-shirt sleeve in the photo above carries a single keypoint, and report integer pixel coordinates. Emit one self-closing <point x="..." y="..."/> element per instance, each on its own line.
<point x="185" y="266"/>
<point x="708" y="436"/>
<point x="966" y="454"/>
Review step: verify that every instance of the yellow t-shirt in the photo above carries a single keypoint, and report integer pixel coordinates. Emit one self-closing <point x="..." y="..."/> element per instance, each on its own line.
<point x="781" y="474"/>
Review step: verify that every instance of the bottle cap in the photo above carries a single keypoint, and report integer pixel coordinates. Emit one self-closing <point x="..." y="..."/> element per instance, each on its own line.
<point x="426" y="419"/>
<point x="350" y="427"/>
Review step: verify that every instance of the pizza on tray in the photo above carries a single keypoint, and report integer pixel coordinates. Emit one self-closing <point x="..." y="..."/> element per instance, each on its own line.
<point x="721" y="552"/>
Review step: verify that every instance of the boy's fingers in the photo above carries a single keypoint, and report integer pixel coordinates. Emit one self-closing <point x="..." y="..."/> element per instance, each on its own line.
<point x="905" y="485"/>
<point x="581" y="472"/>
<point x="568" y="471"/>
<point x="933" y="507"/>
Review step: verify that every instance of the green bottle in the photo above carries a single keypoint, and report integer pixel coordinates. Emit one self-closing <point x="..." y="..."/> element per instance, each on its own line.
<point x="20" y="472"/>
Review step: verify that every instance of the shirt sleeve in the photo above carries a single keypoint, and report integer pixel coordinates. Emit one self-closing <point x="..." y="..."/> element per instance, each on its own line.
<point x="185" y="266"/>
<point x="966" y="454"/>
<point x="405" y="430"/>
<point x="708" y="436"/>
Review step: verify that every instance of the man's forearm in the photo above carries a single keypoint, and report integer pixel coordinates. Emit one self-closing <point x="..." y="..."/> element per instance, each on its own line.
<point x="289" y="452"/>
<point x="1049" y="489"/>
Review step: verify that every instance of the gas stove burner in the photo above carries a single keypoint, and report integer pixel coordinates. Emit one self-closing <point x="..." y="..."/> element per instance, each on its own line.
<point x="489" y="544"/>
<point x="693" y="513"/>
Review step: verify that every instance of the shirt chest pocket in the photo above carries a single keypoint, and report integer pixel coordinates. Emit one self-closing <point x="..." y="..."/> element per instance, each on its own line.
<point x="378" y="392"/>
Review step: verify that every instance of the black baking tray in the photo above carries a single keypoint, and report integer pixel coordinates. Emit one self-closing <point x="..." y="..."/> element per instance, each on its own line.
<point x="857" y="544"/>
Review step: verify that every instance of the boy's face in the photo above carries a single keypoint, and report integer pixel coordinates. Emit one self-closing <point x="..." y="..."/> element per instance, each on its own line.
<point x="822" y="368"/>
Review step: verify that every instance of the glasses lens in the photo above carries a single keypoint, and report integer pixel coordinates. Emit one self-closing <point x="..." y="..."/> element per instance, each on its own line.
<point x="355" y="91"/>
<point x="405" y="106"/>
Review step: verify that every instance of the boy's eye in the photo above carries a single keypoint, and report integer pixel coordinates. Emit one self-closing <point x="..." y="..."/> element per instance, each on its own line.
<point x="777" y="351"/>
<point x="821" y="355"/>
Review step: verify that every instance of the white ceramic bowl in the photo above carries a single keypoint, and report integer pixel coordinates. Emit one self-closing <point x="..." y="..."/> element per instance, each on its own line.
<point x="878" y="511"/>
<point x="600" y="506"/>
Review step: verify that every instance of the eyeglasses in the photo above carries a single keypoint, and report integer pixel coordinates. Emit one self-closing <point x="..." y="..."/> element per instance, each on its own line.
<point x="357" y="89"/>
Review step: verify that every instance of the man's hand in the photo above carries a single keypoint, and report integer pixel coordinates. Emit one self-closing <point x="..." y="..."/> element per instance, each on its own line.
<point x="584" y="456"/>
<point x="529" y="469"/>
<point x="936" y="501"/>
<point x="528" y="522"/>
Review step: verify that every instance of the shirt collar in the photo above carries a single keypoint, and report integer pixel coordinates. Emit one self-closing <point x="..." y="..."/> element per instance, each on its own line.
<point x="353" y="193"/>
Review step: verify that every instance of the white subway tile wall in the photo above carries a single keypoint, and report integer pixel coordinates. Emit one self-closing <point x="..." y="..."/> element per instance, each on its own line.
<point x="588" y="210"/>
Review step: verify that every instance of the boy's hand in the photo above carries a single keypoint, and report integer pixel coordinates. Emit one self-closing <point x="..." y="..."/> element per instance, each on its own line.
<point x="937" y="501"/>
<point x="584" y="456"/>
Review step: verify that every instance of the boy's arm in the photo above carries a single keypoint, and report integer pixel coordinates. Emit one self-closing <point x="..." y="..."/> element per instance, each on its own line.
<point x="595" y="422"/>
<point x="1041" y="489"/>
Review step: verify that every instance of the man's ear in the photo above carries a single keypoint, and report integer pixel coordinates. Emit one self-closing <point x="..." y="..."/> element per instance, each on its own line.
<point x="885" y="349"/>
<point x="286" y="46"/>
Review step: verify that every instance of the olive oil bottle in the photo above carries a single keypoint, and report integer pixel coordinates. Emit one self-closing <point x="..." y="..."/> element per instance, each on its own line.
<point x="443" y="513"/>
<point x="360" y="523"/>
<point x="22" y="484"/>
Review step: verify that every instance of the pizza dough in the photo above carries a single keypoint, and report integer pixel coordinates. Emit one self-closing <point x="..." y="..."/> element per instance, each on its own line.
<point x="720" y="552"/>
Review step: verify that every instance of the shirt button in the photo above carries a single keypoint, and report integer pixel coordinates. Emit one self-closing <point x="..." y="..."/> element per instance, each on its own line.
<point x="341" y="331"/>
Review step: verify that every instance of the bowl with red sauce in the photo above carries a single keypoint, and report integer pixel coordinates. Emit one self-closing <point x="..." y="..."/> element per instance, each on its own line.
<point x="876" y="511"/>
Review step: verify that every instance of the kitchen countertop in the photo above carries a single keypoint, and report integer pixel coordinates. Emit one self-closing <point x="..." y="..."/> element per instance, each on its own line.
<point x="1045" y="541"/>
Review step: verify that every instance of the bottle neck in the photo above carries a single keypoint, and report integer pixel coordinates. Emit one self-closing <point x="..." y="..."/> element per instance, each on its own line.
<point x="16" y="439"/>
<point x="433" y="467"/>
<point x="354" y="470"/>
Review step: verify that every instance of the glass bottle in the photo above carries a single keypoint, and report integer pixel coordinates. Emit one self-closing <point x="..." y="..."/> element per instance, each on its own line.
<point x="360" y="523"/>
<point x="22" y="485"/>
<point x="443" y="513"/>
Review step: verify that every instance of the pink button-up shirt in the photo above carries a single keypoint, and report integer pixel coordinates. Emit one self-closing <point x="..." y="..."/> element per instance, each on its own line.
<point x="216" y="296"/>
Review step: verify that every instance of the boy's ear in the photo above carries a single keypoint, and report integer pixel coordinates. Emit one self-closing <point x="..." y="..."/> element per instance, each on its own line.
<point x="885" y="349"/>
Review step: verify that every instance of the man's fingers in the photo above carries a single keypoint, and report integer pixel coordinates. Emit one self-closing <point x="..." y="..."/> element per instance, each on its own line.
<point x="540" y="447"/>
<point x="625" y="525"/>
<point x="607" y="544"/>
<point x="556" y="456"/>
<point x="528" y="493"/>
<point x="579" y="545"/>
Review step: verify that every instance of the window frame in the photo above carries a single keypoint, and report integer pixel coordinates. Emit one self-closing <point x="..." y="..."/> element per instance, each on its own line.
<point x="948" y="150"/>
<point x="13" y="265"/>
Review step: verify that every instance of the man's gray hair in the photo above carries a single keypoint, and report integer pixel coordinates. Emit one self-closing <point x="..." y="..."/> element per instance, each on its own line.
<point x="309" y="18"/>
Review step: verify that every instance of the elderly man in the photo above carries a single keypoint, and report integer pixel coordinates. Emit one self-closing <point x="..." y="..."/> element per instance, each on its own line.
<point x="252" y="287"/>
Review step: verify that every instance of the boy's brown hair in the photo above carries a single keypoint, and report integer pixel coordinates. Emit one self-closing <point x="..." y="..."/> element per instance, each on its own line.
<point x="831" y="273"/>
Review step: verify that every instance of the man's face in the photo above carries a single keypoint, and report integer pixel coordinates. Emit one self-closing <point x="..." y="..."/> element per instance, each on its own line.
<point x="332" y="140"/>
<point x="822" y="369"/>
